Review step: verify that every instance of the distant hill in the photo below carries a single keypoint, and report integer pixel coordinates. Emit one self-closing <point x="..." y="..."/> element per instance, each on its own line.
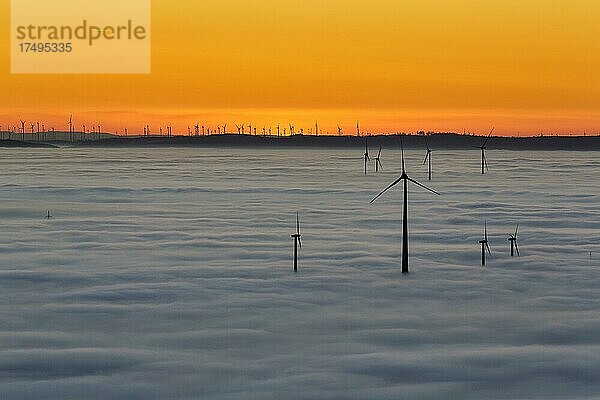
<point x="18" y="143"/>
<point x="446" y="140"/>
<point x="438" y="141"/>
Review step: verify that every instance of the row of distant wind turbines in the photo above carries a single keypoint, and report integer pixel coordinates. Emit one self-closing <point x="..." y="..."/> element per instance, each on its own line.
<point x="405" y="179"/>
<point x="195" y="130"/>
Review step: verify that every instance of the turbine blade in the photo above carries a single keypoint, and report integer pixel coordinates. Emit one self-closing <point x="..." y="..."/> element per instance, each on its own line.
<point x="380" y="164"/>
<point x="426" y="157"/>
<point x="488" y="249"/>
<point x="485" y="162"/>
<point x="485" y="231"/>
<point x="385" y="190"/>
<point x="300" y="241"/>
<point x="297" y="223"/>
<point x="489" y="136"/>
<point x="379" y="154"/>
<point x="423" y="186"/>
<point x="517" y="248"/>
<point x="517" y="231"/>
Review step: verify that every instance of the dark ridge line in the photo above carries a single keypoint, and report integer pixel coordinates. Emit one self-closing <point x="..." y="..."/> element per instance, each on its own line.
<point x="439" y="141"/>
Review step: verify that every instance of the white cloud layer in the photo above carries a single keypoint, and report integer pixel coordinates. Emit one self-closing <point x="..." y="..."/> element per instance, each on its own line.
<point x="166" y="274"/>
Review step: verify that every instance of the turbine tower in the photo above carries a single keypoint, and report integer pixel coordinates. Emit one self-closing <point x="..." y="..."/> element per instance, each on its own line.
<point x="297" y="241"/>
<point x="513" y="243"/>
<point x="405" y="178"/>
<point x="484" y="245"/>
<point x="367" y="158"/>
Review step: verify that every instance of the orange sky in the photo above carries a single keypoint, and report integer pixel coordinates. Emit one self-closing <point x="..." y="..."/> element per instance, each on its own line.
<point x="524" y="66"/>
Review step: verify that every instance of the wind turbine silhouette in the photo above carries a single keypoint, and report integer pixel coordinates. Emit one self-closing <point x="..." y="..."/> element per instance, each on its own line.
<point x="484" y="245"/>
<point x="428" y="157"/>
<point x="22" y="130"/>
<point x="297" y="241"/>
<point x="367" y="158"/>
<point x="48" y="215"/>
<point x="483" y="147"/>
<point x="513" y="243"/>
<point x="405" y="178"/>
<point x="378" y="164"/>
<point x="71" y="127"/>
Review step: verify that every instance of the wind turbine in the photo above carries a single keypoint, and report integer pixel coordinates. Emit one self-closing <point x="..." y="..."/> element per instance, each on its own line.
<point x="48" y="215"/>
<point x="340" y="131"/>
<point x="225" y="129"/>
<point x="71" y="127"/>
<point x="483" y="147"/>
<point x="367" y="158"/>
<point x="484" y="245"/>
<point x="357" y="128"/>
<point x="513" y="243"/>
<point x="22" y="130"/>
<point x="428" y="158"/>
<point x="378" y="164"/>
<point x="297" y="241"/>
<point x="405" y="178"/>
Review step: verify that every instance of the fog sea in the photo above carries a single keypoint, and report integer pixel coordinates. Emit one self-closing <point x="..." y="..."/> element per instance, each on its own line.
<point x="166" y="273"/>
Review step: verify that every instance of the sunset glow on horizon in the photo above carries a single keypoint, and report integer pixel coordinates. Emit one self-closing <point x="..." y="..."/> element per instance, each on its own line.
<point x="525" y="67"/>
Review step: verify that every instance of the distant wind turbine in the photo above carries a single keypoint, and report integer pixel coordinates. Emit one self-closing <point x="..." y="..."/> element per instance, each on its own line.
<point x="513" y="243"/>
<point x="378" y="164"/>
<point x="366" y="155"/>
<point x="71" y="127"/>
<point x="405" y="178"/>
<point x="484" y="245"/>
<point x="428" y="157"/>
<point x="483" y="147"/>
<point x="297" y="241"/>
<point x="22" y="130"/>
